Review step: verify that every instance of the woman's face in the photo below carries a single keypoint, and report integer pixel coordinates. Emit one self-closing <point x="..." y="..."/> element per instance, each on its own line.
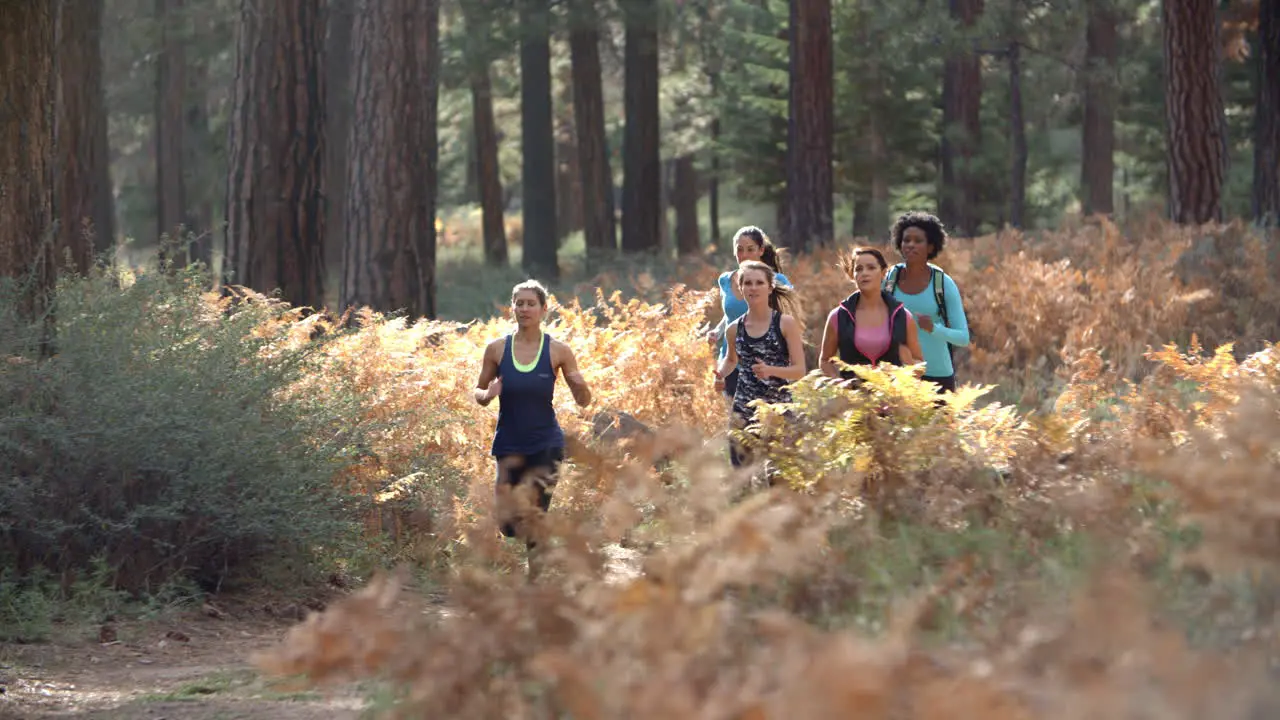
<point x="747" y="248"/>
<point x="868" y="273"/>
<point x="527" y="308"/>
<point x="915" y="245"/>
<point x="754" y="286"/>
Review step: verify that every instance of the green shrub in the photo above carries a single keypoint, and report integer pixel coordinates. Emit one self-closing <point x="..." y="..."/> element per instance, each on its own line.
<point x="164" y="435"/>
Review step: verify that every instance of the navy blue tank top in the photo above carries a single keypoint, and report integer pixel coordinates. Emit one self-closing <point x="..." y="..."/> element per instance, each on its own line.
<point x="526" y="418"/>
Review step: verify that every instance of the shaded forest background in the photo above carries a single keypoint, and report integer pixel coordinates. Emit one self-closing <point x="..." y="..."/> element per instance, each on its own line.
<point x="340" y="150"/>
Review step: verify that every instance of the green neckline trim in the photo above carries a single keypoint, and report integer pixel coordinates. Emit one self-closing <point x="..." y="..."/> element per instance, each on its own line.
<point x="542" y="341"/>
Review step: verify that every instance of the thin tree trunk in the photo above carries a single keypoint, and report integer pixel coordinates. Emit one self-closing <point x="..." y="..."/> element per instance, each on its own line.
<point x="568" y="172"/>
<point x="961" y="128"/>
<point x="686" y="203"/>
<point x="197" y="151"/>
<point x="878" y="154"/>
<point x="487" y="172"/>
<point x="338" y="109"/>
<point x="1193" y="109"/>
<point x="1097" y="170"/>
<point x="28" y="33"/>
<point x="810" y="142"/>
<point x="85" y="206"/>
<point x="275" y="191"/>
<point x="537" y="145"/>
<point x="641" y="159"/>
<point x="1266" y="138"/>
<point x="171" y="93"/>
<point x="1018" y="138"/>
<point x="392" y="158"/>
<point x="596" y="175"/>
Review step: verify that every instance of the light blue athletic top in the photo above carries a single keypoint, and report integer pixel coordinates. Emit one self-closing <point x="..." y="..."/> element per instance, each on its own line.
<point x="734" y="307"/>
<point x="937" y="356"/>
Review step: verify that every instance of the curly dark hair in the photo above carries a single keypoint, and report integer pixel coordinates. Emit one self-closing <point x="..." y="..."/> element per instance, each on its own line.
<point x="934" y="231"/>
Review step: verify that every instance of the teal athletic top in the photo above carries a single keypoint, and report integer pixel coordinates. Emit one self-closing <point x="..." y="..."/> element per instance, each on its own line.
<point x="937" y="355"/>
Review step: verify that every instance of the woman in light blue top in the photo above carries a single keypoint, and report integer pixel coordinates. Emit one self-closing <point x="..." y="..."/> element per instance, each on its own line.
<point x="749" y="243"/>
<point x="929" y="293"/>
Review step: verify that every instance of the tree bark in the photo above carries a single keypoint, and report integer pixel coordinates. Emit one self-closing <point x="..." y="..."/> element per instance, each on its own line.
<point x="485" y="127"/>
<point x="392" y="158"/>
<point x="197" y="160"/>
<point x="275" y="190"/>
<point x="171" y="93"/>
<point x="688" y="241"/>
<point x="959" y="194"/>
<point x="1098" y="165"/>
<point x="1018" y="139"/>
<point x="1193" y="111"/>
<point x="641" y="158"/>
<point x="810" y="127"/>
<point x="27" y="87"/>
<point x="568" y="173"/>
<point x="86" y="213"/>
<point x="537" y="145"/>
<point x="338" y="109"/>
<point x="1266" y="138"/>
<point x="595" y="173"/>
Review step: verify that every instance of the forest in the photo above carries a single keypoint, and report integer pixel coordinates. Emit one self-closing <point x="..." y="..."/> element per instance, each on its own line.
<point x="252" y="251"/>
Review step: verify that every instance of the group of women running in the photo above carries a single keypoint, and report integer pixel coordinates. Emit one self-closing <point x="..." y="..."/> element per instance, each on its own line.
<point x="909" y="313"/>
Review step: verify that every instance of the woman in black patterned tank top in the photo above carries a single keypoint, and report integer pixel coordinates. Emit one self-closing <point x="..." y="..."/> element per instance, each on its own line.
<point x="765" y="346"/>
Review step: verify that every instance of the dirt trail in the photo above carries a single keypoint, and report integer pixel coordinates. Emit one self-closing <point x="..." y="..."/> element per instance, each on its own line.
<point x="189" y="666"/>
<point x="193" y="665"/>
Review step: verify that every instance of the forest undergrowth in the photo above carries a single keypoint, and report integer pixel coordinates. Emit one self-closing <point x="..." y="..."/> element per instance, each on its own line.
<point x="1087" y="529"/>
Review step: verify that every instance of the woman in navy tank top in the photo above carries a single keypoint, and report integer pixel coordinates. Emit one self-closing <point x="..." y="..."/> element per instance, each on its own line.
<point x="870" y="326"/>
<point x="528" y="445"/>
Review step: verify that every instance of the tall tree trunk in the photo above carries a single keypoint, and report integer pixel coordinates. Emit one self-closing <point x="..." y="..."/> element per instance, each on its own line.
<point x="1266" y="137"/>
<point x="537" y="145"/>
<point x="1018" y="138"/>
<point x="878" y="155"/>
<point x="641" y="159"/>
<point x="275" y="189"/>
<point x="686" y="203"/>
<point x="595" y="173"/>
<point x="85" y="207"/>
<point x="568" y="187"/>
<point x="1193" y="110"/>
<point x="197" y="149"/>
<point x="959" y="193"/>
<point x="171" y="94"/>
<point x="713" y="182"/>
<point x="485" y="131"/>
<point x="27" y="87"/>
<point x="1099" y="142"/>
<point x="810" y="127"/>
<point x="392" y="158"/>
<point x="338" y="109"/>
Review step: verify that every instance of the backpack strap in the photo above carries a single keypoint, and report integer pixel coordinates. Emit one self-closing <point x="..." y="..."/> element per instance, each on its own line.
<point x="891" y="279"/>
<point x="939" y="293"/>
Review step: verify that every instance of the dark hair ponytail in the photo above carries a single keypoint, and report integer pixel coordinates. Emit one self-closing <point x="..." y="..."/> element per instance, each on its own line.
<point x="781" y="298"/>
<point x="769" y="254"/>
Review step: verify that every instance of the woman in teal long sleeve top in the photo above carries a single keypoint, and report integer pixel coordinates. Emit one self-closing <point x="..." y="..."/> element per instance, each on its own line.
<point x="919" y="284"/>
<point x="749" y="243"/>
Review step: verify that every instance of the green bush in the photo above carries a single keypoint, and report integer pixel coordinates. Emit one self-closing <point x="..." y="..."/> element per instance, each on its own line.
<point x="164" y="435"/>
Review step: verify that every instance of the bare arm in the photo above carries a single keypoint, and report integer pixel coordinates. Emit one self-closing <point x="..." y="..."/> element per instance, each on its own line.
<point x="830" y="346"/>
<point x="730" y="360"/>
<point x="489" y="385"/>
<point x="795" y="353"/>
<point x="572" y="376"/>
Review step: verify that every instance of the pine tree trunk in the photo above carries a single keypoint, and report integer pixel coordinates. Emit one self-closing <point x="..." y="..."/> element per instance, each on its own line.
<point x="686" y="203"/>
<point x="487" y="173"/>
<point x="959" y="194"/>
<point x="641" y="159"/>
<point x="390" y="255"/>
<point x="275" y="191"/>
<point x="568" y="172"/>
<point x="1099" y="138"/>
<point x="537" y="145"/>
<point x="1266" y="139"/>
<point x="595" y="173"/>
<point x="197" y="158"/>
<point x="338" y="109"/>
<point x="1193" y="110"/>
<point x="27" y="87"/>
<point x="1018" y="139"/>
<point x="86" y="214"/>
<point x="171" y="93"/>
<point x="810" y="127"/>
